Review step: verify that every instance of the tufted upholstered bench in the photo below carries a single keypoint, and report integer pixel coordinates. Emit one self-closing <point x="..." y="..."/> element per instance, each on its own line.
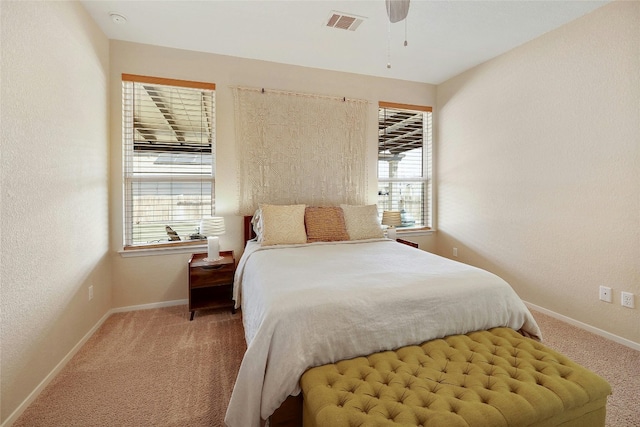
<point x="487" y="378"/>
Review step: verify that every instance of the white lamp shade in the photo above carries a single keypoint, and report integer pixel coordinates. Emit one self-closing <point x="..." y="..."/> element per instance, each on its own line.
<point x="392" y="218"/>
<point x="212" y="226"/>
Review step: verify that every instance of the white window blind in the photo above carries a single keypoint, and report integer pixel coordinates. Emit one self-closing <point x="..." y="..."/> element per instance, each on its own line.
<point x="169" y="158"/>
<point x="404" y="162"/>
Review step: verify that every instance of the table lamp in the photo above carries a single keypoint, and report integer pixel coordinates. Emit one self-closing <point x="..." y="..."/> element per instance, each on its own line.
<point x="212" y="227"/>
<point x="392" y="219"/>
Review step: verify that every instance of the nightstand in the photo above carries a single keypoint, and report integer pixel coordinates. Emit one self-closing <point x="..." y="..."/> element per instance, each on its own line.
<point x="407" y="242"/>
<point x="211" y="282"/>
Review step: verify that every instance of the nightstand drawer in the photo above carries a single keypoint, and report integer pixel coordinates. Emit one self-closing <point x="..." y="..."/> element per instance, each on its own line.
<point x="212" y="275"/>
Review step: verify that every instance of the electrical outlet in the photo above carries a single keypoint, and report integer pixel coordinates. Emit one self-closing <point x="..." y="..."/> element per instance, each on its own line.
<point x="90" y="292"/>
<point x="605" y="294"/>
<point x="626" y="299"/>
<point x="455" y="252"/>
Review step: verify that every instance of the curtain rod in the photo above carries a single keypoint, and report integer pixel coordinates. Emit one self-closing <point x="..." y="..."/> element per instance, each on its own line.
<point x="307" y="95"/>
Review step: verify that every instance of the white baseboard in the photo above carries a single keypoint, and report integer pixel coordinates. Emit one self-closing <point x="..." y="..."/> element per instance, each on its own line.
<point x="628" y="343"/>
<point x="149" y="306"/>
<point x="34" y="394"/>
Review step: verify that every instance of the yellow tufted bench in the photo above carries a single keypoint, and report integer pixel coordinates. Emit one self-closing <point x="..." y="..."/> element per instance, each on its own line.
<point x="487" y="378"/>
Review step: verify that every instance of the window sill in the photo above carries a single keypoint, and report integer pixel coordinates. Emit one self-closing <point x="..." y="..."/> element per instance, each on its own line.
<point x="137" y="252"/>
<point x="415" y="232"/>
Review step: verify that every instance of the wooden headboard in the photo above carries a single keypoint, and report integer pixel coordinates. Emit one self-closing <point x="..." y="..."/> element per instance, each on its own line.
<point x="248" y="229"/>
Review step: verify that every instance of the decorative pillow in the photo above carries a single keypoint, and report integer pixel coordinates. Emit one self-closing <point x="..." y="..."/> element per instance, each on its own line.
<point x="283" y="224"/>
<point x="362" y="222"/>
<point x="325" y="224"/>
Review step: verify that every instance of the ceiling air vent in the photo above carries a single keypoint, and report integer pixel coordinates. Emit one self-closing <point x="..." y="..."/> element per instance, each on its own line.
<point x="344" y="21"/>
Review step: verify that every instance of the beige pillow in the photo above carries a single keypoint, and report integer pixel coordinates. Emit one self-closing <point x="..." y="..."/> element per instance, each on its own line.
<point x="362" y="222"/>
<point x="282" y="224"/>
<point x="325" y="224"/>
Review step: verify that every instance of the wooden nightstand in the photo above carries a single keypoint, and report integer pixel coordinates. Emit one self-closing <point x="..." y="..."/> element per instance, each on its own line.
<point x="211" y="282"/>
<point x="407" y="242"/>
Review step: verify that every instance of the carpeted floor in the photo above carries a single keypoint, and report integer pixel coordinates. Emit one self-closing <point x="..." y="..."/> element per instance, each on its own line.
<point x="618" y="364"/>
<point x="147" y="368"/>
<point x="155" y="368"/>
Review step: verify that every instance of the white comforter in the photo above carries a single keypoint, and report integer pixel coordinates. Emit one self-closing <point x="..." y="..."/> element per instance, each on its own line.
<point x="318" y="303"/>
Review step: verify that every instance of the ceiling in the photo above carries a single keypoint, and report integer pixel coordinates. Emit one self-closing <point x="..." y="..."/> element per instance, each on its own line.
<point x="444" y="38"/>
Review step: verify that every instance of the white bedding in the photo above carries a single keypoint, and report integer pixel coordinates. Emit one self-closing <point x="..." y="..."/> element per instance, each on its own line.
<point x="308" y="305"/>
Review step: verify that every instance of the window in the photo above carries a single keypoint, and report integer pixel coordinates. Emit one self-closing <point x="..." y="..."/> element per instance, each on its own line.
<point x="168" y="129"/>
<point x="404" y="162"/>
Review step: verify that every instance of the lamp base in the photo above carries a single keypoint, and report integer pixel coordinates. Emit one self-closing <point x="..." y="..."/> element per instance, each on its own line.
<point x="213" y="249"/>
<point x="207" y="259"/>
<point x="391" y="233"/>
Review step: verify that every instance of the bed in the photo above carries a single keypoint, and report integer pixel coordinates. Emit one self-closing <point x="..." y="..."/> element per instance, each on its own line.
<point x="318" y="301"/>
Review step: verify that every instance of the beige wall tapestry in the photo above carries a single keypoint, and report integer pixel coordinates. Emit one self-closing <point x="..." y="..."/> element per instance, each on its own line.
<point x="299" y="148"/>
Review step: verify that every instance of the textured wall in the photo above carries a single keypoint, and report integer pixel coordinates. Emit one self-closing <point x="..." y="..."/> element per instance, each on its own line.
<point x="144" y="280"/>
<point x="54" y="208"/>
<point x="539" y="167"/>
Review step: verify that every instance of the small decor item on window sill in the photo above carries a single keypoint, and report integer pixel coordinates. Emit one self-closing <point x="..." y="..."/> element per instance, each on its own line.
<point x="173" y="236"/>
<point x="212" y="227"/>
<point x="197" y="235"/>
<point x="407" y="220"/>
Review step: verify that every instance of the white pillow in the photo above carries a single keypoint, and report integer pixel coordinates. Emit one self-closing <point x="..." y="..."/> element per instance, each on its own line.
<point x="362" y="222"/>
<point x="256" y="222"/>
<point x="282" y="224"/>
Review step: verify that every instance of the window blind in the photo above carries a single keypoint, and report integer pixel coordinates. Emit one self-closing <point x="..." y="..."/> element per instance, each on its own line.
<point x="169" y="158"/>
<point x="404" y="162"/>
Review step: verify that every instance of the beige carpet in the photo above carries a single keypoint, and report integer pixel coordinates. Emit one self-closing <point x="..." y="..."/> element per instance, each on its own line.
<point x="147" y="368"/>
<point x="618" y="364"/>
<point x="155" y="368"/>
